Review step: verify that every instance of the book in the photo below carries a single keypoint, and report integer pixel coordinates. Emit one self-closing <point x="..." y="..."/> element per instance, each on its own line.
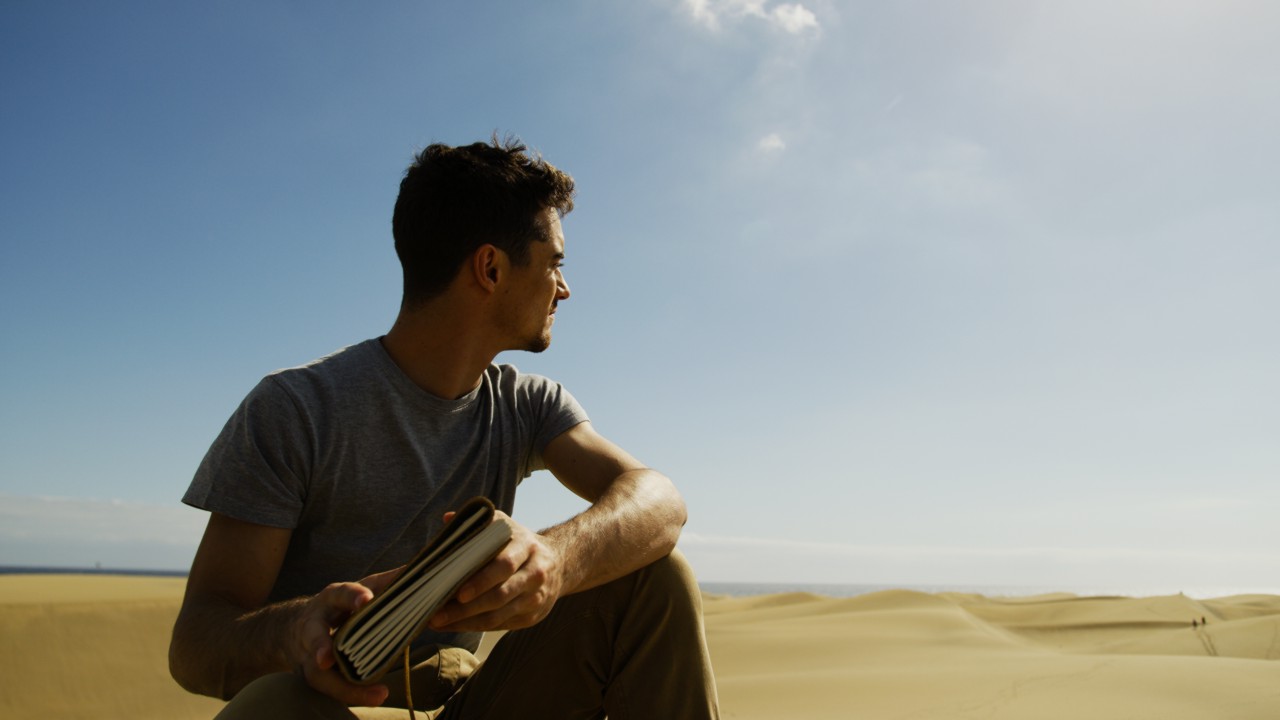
<point x="370" y="641"/>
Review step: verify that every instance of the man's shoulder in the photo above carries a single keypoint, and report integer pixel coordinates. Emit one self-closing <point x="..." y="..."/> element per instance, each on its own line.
<point x="510" y="378"/>
<point x="351" y="358"/>
<point x="541" y="405"/>
<point x="531" y="391"/>
<point x="342" y="368"/>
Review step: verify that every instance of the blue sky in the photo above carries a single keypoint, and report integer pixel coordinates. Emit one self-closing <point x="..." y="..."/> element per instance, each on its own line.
<point x="927" y="292"/>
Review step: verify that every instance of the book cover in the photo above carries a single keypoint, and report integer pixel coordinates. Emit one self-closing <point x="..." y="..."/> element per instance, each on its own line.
<point x="371" y="640"/>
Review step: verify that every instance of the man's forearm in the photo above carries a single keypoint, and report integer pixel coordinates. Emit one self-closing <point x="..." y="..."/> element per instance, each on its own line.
<point x="218" y="648"/>
<point x="634" y="523"/>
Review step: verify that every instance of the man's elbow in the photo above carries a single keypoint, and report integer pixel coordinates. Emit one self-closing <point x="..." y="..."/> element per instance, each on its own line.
<point x="186" y="669"/>
<point x="677" y="513"/>
<point x="178" y="670"/>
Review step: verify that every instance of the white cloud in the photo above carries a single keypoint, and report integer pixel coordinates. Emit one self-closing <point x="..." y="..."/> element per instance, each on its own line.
<point x="60" y="531"/>
<point x="701" y="12"/>
<point x="948" y="552"/>
<point x="792" y="18"/>
<point x="1128" y="570"/>
<point x="772" y="142"/>
<point x="795" y="19"/>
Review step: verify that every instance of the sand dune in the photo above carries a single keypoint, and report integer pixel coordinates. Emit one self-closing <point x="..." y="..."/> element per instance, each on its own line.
<point x="909" y="655"/>
<point x="95" y="646"/>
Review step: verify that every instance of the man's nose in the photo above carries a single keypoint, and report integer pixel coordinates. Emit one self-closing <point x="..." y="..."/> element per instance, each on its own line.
<point x="562" y="287"/>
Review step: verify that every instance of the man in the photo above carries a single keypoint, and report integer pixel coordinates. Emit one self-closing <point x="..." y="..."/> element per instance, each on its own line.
<point x="330" y="476"/>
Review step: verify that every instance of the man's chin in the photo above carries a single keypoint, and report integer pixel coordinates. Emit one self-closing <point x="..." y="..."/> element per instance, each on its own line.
<point x="539" y="344"/>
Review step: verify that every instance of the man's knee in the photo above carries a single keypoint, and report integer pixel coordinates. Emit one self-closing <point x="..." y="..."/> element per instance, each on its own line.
<point x="670" y="583"/>
<point x="673" y="572"/>
<point x="284" y="696"/>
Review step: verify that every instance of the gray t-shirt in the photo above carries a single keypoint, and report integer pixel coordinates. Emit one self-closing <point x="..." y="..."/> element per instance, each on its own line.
<point x="361" y="464"/>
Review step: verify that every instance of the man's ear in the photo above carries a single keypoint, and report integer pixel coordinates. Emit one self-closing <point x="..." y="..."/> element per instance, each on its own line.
<point x="488" y="266"/>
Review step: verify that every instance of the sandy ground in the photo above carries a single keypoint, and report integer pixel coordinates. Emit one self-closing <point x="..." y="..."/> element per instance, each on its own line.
<point x="909" y="655"/>
<point x="95" y="647"/>
<point x="91" y="647"/>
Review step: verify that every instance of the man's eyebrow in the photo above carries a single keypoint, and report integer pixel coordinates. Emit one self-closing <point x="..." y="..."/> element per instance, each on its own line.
<point x="558" y="256"/>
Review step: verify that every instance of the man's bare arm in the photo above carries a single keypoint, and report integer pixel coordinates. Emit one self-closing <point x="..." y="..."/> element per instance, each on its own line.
<point x="635" y="518"/>
<point x="226" y="636"/>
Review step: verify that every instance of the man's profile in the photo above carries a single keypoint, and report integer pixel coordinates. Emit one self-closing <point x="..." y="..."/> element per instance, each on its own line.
<point x="330" y="476"/>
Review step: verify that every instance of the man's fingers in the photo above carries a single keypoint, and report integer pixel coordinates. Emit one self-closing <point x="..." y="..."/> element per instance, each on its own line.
<point x="486" y="605"/>
<point x="494" y="609"/>
<point x="341" y="599"/>
<point x="513" y="616"/>
<point x="515" y="590"/>
<point x="493" y="575"/>
<point x="502" y="567"/>
<point x="381" y="581"/>
<point x="335" y="686"/>
<point x="326" y="611"/>
<point x="462" y="607"/>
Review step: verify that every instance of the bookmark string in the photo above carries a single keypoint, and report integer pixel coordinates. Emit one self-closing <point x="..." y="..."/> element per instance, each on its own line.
<point x="408" y="686"/>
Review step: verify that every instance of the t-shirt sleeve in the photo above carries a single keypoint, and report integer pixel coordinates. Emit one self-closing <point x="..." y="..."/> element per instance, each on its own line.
<point x="557" y="411"/>
<point x="257" y="467"/>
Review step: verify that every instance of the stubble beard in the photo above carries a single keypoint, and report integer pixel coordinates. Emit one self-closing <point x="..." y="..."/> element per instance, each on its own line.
<point x="540" y="343"/>
<point x="543" y="340"/>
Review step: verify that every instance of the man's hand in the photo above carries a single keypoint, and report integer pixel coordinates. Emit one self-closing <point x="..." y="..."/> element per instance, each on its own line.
<point x="314" y="639"/>
<point x="516" y="590"/>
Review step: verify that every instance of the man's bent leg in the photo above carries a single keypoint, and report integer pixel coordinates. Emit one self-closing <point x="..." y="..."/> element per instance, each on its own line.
<point x="633" y="648"/>
<point x="285" y="696"/>
<point x="437" y="673"/>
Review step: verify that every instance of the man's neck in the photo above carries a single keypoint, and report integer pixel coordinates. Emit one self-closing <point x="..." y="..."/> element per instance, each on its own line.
<point x="439" y="350"/>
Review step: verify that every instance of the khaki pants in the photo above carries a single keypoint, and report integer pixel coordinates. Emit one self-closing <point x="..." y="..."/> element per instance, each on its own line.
<point x="633" y="648"/>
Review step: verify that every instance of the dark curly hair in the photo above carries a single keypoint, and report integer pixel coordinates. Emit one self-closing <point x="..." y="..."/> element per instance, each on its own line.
<point x="455" y="199"/>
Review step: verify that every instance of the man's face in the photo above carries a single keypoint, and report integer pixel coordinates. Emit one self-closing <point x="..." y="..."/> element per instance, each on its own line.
<point x="537" y="288"/>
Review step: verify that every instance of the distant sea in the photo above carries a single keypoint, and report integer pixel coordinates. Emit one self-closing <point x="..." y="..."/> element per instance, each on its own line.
<point x="37" y="570"/>
<point x="853" y="590"/>
<point x="839" y="590"/>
